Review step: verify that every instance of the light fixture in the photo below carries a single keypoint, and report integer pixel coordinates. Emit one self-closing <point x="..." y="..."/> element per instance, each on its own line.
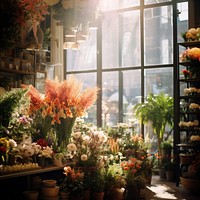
<point x="82" y="19"/>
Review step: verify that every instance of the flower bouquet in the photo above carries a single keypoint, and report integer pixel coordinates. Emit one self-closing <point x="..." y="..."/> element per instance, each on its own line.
<point x="86" y="145"/>
<point x="133" y="173"/>
<point x="73" y="182"/>
<point x="59" y="107"/>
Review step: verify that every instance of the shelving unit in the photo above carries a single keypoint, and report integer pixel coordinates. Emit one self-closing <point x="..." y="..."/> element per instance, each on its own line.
<point x="187" y="119"/>
<point x="23" y="66"/>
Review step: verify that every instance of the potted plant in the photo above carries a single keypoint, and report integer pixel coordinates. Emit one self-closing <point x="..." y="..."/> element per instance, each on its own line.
<point x="115" y="182"/>
<point x="169" y="169"/>
<point x="98" y="180"/>
<point x="72" y="184"/>
<point x="158" y="110"/>
<point x="166" y="148"/>
<point x="135" y="180"/>
<point x="190" y="179"/>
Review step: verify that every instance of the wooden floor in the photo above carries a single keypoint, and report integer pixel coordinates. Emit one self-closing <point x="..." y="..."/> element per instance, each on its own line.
<point x="160" y="189"/>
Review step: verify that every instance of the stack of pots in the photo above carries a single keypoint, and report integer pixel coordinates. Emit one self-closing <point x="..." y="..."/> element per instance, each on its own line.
<point x="49" y="190"/>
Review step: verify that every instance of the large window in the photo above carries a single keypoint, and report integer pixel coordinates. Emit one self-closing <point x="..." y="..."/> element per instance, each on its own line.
<point x="130" y="55"/>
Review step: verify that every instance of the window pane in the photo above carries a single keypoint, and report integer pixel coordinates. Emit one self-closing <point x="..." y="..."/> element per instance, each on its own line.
<point x="114" y="4"/>
<point x="158" y="35"/>
<point x="132" y="94"/>
<point x="88" y="80"/>
<point x="131" y="49"/>
<point x="110" y="98"/>
<point x="85" y="57"/>
<point x="155" y="1"/>
<point x="110" y="41"/>
<point x="159" y="80"/>
<point x="182" y="19"/>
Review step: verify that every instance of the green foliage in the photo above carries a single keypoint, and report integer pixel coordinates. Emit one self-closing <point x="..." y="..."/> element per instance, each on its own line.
<point x="169" y="165"/>
<point x="114" y="177"/>
<point x="98" y="180"/>
<point x="158" y="110"/>
<point x="47" y="38"/>
<point x="166" y="145"/>
<point x="8" y="103"/>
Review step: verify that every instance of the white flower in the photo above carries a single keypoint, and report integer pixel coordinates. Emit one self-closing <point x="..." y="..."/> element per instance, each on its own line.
<point x="122" y="125"/>
<point x="195" y="138"/>
<point x="47" y="152"/>
<point x="12" y="143"/>
<point x="196" y="122"/>
<point x="76" y="135"/>
<point x="71" y="147"/>
<point x="84" y="157"/>
<point x="102" y="137"/>
<point x="37" y="148"/>
<point x="111" y="157"/>
<point x="193" y="106"/>
<point x="86" y="139"/>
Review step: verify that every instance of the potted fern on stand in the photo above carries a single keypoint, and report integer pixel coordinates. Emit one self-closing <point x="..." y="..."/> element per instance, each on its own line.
<point x="157" y="110"/>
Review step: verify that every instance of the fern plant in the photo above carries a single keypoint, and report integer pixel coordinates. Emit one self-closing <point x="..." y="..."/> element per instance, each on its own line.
<point x="158" y="110"/>
<point x="8" y="103"/>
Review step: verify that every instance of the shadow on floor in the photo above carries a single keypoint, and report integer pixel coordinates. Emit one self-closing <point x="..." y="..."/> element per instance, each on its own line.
<point x="163" y="190"/>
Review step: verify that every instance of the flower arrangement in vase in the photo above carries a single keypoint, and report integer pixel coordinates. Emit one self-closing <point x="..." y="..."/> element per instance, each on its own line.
<point x="61" y="104"/>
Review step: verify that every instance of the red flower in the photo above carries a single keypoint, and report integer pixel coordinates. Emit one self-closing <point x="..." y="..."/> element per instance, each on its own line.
<point x="185" y="72"/>
<point x="42" y="142"/>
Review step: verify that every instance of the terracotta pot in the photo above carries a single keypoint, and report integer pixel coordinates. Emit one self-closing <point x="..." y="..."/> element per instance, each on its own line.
<point x="190" y="185"/>
<point x="30" y="195"/>
<point x="64" y="195"/>
<point x="186" y="158"/>
<point x="98" y="195"/>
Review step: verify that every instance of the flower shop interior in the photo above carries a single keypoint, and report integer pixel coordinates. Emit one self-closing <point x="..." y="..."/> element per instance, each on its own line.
<point x="99" y="99"/>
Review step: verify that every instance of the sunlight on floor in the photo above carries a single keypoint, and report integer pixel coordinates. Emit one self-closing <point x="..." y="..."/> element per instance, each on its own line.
<point x="162" y="191"/>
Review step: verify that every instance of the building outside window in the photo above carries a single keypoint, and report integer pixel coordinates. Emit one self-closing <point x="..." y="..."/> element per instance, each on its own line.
<point x="130" y="55"/>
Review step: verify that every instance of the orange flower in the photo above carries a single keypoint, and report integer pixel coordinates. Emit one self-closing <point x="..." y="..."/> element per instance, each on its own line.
<point x="63" y="99"/>
<point x="193" y="53"/>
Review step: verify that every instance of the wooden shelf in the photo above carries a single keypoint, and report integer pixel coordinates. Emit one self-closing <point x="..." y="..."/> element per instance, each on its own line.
<point x="190" y="44"/>
<point x="13" y="71"/>
<point x="30" y="172"/>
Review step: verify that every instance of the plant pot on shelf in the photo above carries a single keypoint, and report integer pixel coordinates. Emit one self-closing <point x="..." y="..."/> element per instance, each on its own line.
<point x="186" y="158"/>
<point x="190" y="185"/>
